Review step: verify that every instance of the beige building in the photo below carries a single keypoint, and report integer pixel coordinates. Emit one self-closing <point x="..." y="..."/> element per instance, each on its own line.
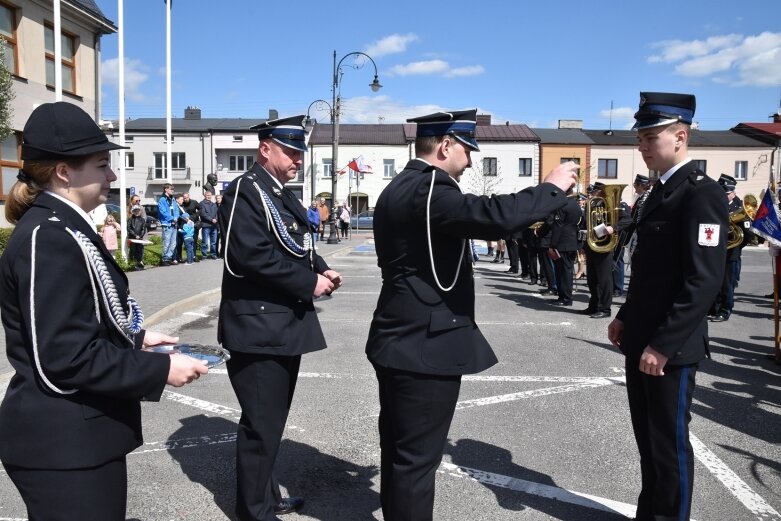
<point x="27" y="31"/>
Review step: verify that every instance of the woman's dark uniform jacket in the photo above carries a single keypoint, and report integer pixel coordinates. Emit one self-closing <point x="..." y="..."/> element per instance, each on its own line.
<point x="417" y="327"/>
<point x="674" y="279"/>
<point x="268" y="308"/>
<point x="40" y="428"/>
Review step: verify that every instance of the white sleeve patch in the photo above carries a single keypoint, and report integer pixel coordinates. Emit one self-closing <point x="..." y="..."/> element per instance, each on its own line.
<point x="709" y="235"/>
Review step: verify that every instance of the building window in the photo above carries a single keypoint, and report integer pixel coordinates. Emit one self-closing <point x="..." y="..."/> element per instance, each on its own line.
<point x="68" y="59"/>
<point x="388" y="168"/>
<point x="607" y="168"/>
<point x="177" y="163"/>
<point x="240" y="163"/>
<point x="741" y="170"/>
<point x="525" y="167"/>
<point x="8" y="36"/>
<point x="160" y="165"/>
<point x="9" y="162"/>
<point x="654" y="175"/>
<point x="130" y="160"/>
<point x="701" y="164"/>
<point x="327" y="164"/>
<point x="489" y="166"/>
<point x="238" y="139"/>
<point x="129" y="139"/>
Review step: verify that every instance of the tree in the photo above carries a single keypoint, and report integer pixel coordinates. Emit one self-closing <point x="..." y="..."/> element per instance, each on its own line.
<point x="6" y="96"/>
<point x="474" y="181"/>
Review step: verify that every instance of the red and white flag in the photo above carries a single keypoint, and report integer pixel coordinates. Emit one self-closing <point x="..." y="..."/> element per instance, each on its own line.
<point x="359" y="165"/>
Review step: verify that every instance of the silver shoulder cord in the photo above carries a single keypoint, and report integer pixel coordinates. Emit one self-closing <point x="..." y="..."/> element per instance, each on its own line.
<point x="228" y="232"/>
<point x="272" y="217"/>
<point x="108" y="292"/>
<point x="431" y="250"/>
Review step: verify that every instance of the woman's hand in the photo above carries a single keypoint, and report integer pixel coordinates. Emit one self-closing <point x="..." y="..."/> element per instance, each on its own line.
<point x="154" y="338"/>
<point x="184" y="370"/>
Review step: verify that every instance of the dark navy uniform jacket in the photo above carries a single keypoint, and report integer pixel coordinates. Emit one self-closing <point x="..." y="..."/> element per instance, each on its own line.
<point x="677" y="268"/>
<point x="77" y="348"/>
<point x="564" y="231"/>
<point x="267" y="304"/>
<point x="418" y="327"/>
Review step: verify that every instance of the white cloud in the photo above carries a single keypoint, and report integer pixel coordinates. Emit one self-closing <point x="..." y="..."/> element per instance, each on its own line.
<point x="471" y="70"/>
<point x="421" y="68"/>
<point x="367" y="109"/>
<point x="438" y="67"/>
<point x="677" y="50"/>
<point x="135" y="76"/>
<point x="393" y="44"/>
<point x="622" y="116"/>
<point x="731" y="59"/>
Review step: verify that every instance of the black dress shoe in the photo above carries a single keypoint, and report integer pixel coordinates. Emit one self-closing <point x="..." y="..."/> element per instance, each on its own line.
<point x="524" y="276"/>
<point x="618" y="293"/>
<point x="533" y="282"/>
<point x="548" y="292"/>
<point x="288" y="505"/>
<point x="562" y="303"/>
<point x="512" y="271"/>
<point x="587" y="311"/>
<point x="600" y="314"/>
<point x="719" y="318"/>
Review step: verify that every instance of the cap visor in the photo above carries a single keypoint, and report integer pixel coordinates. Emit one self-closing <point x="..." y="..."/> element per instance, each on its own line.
<point x="292" y="143"/>
<point x="468" y="141"/>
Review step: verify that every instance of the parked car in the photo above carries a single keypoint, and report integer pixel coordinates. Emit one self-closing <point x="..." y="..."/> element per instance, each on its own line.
<point x="151" y="209"/>
<point x="363" y="220"/>
<point x="152" y="223"/>
<point x="113" y="209"/>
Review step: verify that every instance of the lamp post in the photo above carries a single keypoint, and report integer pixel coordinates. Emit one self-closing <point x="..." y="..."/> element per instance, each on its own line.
<point x="309" y="124"/>
<point x="375" y="86"/>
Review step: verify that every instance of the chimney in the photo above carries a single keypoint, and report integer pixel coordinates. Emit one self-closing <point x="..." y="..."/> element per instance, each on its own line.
<point x="273" y="114"/>
<point x="483" y="119"/>
<point x="777" y="117"/>
<point x="192" y="113"/>
<point x="571" y="123"/>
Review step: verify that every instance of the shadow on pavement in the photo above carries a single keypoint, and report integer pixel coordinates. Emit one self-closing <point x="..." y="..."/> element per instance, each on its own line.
<point x="741" y="385"/>
<point x="334" y="489"/>
<point x="476" y="454"/>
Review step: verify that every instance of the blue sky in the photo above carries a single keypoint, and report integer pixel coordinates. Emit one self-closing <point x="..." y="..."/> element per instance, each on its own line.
<point x="523" y="62"/>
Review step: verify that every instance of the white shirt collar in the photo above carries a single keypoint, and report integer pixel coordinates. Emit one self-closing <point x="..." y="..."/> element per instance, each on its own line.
<point x="281" y="187"/>
<point x="78" y="209"/>
<point x="667" y="175"/>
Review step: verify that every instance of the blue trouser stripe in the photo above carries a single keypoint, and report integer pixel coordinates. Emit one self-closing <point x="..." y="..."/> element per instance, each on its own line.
<point x="681" y="442"/>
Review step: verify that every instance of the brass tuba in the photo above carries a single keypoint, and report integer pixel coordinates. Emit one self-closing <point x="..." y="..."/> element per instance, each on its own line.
<point x="736" y="218"/>
<point x="606" y="212"/>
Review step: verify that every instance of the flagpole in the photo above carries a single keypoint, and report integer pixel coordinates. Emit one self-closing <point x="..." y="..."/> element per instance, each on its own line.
<point x="121" y="169"/>
<point x="57" y="52"/>
<point x="168" y="148"/>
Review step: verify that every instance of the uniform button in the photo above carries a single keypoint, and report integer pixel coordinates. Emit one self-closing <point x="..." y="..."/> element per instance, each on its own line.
<point x="454" y="320"/>
<point x="262" y="308"/>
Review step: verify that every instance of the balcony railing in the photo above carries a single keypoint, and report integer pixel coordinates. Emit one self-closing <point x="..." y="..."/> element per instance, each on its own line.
<point x="157" y="175"/>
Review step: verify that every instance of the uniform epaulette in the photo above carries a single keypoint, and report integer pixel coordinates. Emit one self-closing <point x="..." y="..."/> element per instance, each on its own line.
<point x="698" y="176"/>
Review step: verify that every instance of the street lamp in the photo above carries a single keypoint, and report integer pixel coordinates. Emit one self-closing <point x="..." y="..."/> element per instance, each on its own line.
<point x="309" y="124"/>
<point x="375" y="86"/>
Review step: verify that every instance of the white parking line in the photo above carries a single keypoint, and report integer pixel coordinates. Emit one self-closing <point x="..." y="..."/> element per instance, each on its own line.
<point x="194" y="314"/>
<point x="739" y="488"/>
<point x="534" y="393"/>
<point x="538" y="489"/>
